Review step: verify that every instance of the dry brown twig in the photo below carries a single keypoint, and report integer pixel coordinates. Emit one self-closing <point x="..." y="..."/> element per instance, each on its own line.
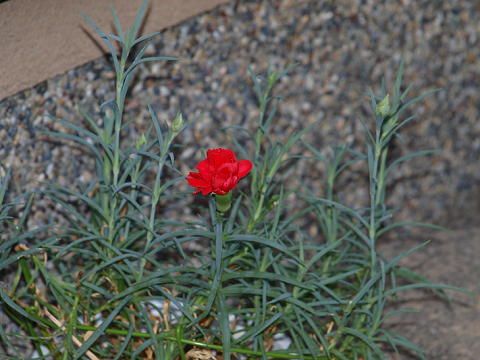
<point x="75" y="340"/>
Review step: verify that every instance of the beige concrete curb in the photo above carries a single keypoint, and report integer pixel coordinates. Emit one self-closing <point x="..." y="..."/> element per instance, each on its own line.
<point x="43" y="38"/>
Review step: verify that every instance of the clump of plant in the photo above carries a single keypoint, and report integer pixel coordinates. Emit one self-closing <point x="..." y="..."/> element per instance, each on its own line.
<point x="123" y="281"/>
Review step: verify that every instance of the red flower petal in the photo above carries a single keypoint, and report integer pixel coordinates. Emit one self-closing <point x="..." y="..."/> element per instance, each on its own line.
<point x="196" y="180"/>
<point x="244" y="167"/>
<point x="205" y="191"/>
<point x="218" y="157"/>
<point x="220" y="181"/>
<point x="219" y="173"/>
<point x="204" y="167"/>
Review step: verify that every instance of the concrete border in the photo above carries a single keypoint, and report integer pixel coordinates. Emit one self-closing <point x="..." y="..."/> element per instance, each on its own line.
<point x="43" y="38"/>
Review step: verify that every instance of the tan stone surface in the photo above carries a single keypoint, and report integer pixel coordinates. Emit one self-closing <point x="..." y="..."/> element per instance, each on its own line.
<point x="42" y="38"/>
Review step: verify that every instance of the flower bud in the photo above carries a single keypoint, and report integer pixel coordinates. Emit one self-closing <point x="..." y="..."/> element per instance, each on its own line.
<point x="273" y="201"/>
<point x="177" y="124"/>
<point x="272" y="78"/>
<point x="142" y="140"/>
<point x="383" y="107"/>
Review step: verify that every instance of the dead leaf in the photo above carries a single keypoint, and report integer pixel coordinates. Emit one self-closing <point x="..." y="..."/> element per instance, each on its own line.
<point x="200" y="354"/>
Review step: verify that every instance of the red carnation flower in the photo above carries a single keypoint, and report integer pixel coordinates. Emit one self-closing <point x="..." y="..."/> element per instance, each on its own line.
<point x="219" y="172"/>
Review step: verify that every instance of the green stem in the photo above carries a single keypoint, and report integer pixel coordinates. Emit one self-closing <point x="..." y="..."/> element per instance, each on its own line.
<point x="118" y="121"/>
<point x="381" y="178"/>
<point x="258" y="211"/>
<point x="116" y="154"/>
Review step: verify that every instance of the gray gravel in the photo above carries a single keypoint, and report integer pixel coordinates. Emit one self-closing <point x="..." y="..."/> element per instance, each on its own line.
<point x="341" y="49"/>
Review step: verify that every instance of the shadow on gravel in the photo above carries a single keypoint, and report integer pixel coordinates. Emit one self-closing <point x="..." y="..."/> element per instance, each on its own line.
<point x="446" y="331"/>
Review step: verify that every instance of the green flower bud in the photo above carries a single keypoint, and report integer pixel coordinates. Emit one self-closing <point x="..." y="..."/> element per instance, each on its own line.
<point x="142" y="140"/>
<point x="389" y="126"/>
<point x="177" y="124"/>
<point x="272" y="77"/>
<point x="383" y="107"/>
<point x="273" y="201"/>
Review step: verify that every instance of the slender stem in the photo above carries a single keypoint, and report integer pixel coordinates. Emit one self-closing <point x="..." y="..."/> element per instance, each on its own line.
<point x="381" y="178"/>
<point x="258" y="210"/>
<point x="372" y="231"/>
<point x="118" y="120"/>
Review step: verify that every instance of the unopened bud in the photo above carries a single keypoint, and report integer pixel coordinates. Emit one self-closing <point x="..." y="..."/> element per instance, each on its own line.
<point x="383" y="107"/>
<point x="177" y="124"/>
<point x="273" y="201"/>
<point x="142" y="140"/>
<point x="272" y="77"/>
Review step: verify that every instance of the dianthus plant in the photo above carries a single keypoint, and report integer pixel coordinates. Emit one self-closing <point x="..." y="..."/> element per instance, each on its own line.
<point x="244" y="278"/>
